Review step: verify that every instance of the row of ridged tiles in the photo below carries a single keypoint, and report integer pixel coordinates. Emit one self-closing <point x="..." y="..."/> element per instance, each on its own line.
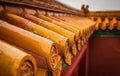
<point x="106" y="23"/>
<point x="31" y="43"/>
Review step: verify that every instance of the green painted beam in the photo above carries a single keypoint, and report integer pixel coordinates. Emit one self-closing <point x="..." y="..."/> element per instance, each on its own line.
<point x="107" y="33"/>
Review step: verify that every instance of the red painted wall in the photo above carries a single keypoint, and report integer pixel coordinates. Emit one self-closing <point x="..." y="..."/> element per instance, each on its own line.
<point x="104" y="56"/>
